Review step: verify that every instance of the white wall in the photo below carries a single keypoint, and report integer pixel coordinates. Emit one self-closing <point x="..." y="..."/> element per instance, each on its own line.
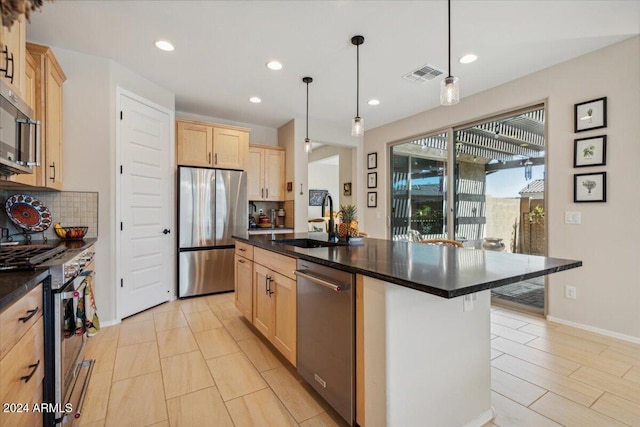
<point x="324" y="177"/>
<point x="259" y="134"/>
<point x="291" y="136"/>
<point x="608" y="294"/>
<point x="89" y="150"/>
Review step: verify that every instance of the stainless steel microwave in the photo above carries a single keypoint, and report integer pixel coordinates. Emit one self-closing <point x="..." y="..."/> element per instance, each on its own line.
<point x="19" y="134"/>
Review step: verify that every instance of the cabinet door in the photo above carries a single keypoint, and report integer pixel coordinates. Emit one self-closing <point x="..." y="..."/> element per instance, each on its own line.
<point x="230" y="148"/>
<point x="255" y="174"/>
<point x="244" y="286"/>
<point x="284" y="316"/>
<point x="195" y="144"/>
<point x="262" y="306"/>
<point x="274" y="175"/>
<point x="25" y="358"/>
<point x="30" y="70"/>
<point x="14" y="39"/>
<point x="53" y="127"/>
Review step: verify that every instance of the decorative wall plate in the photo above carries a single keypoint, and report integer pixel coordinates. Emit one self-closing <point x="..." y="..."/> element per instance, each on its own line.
<point x="28" y="213"/>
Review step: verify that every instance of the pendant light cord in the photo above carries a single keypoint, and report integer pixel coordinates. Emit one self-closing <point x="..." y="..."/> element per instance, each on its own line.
<point x="307" y="110"/>
<point x="357" y="80"/>
<point x="449" y="25"/>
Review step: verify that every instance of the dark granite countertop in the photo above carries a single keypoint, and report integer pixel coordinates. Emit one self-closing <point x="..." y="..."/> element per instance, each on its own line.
<point x="15" y="284"/>
<point x="445" y="271"/>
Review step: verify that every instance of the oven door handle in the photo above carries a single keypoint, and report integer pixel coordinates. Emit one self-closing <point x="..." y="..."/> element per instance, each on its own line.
<point x="75" y="293"/>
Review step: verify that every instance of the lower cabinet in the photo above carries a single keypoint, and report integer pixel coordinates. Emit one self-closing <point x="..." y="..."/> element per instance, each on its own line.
<point x="266" y="294"/>
<point x="274" y="312"/>
<point x="243" y="269"/>
<point x="21" y="374"/>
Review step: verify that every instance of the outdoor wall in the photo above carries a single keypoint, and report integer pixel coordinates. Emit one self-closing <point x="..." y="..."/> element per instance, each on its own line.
<point x="607" y="240"/>
<point x="501" y="214"/>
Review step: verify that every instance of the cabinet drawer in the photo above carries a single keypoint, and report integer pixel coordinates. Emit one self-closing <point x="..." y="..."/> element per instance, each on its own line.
<point x="278" y="263"/>
<point x="18" y="364"/>
<point x="13" y="328"/>
<point x="244" y="249"/>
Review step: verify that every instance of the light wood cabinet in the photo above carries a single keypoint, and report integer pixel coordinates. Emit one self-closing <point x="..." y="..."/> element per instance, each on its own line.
<point x="243" y="270"/>
<point x="265" y="173"/>
<point x="22" y="364"/>
<point x="29" y="96"/>
<point x="275" y="300"/>
<point x="46" y="85"/>
<point x="211" y="145"/>
<point x="12" y="55"/>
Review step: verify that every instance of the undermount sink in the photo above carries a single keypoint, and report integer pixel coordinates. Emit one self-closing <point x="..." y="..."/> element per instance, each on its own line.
<point x="309" y="243"/>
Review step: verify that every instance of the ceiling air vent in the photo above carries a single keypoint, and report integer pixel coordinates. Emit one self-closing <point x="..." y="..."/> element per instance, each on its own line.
<point x="423" y="74"/>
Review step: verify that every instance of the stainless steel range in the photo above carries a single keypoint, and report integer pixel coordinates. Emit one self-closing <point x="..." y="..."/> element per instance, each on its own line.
<point x="67" y="374"/>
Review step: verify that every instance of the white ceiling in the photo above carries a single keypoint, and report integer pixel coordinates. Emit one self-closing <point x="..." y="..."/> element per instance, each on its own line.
<point x="222" y="48"/>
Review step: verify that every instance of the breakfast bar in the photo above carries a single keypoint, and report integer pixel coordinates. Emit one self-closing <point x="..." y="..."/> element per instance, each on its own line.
<point x="422" y="327"/>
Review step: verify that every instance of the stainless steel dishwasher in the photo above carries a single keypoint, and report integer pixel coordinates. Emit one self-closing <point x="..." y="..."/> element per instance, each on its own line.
<point x="326" y="334"/>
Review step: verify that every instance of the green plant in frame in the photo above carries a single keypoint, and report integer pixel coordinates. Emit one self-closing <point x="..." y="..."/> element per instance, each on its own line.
<point x="588" y="151"/>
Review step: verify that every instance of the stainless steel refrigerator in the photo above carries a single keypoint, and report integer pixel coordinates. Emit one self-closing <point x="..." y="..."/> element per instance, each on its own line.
<point x="212" y="206"/>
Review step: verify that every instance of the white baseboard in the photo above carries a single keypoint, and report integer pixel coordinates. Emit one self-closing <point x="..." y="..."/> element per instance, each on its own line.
<point x="109" y="323"/>
<point x="481" y="419"/>
<point x="630" y="338"/>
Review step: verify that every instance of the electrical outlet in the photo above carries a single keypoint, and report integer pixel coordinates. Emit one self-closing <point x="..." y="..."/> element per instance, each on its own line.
<point x="572" y="217"/>
<point x="570" y="292"/>
<point x="467" y="302"/>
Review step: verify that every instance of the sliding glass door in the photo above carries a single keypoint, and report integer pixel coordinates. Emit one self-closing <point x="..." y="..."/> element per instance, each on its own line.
<point x="497" y="167"/>
<point x="419" y="188"/>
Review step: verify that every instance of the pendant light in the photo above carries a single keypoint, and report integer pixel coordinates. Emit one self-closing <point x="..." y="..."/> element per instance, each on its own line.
<point x="449" y="88"/>
<point x="307" y="142"/>
<point x="357" y="124"/>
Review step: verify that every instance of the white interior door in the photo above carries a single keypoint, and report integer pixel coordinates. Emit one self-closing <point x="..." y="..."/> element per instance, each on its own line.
<point x="146" y="256"/>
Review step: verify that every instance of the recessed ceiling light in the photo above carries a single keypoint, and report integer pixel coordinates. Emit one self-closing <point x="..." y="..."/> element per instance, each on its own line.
<point x="274" y="65"/>
<point x="164" y="45"/>
<point x="467" y="59"/>
<point x="255" y="100"/>
<point x="373" y="102"/>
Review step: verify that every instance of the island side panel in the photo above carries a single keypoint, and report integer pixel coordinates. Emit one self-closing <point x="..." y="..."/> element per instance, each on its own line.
<point x="425" y="359"/>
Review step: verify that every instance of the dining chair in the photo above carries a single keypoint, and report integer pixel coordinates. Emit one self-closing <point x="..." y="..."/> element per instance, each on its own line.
<point x="445" y="242"/>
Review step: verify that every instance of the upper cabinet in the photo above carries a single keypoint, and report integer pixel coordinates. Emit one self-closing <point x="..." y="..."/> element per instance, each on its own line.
<point x="265" y="173"/>
<point x="42" y="90"/>
<point x="49" y="78"/>
<point x="211" y="145"/>
<point x="12" y="53"/>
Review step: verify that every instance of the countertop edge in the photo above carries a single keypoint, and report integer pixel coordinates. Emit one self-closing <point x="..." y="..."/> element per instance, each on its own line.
<point x="421" y="287"/>
<point x="39" y="275"/>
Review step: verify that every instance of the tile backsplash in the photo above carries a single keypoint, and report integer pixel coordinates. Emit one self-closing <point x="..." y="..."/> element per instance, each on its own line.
<point x="69" y="208"/>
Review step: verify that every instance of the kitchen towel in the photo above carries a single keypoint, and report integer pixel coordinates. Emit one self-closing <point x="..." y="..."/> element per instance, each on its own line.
<point x="91" y="321"/>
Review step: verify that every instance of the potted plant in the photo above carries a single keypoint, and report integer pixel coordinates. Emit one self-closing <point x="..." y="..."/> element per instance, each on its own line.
<point x="348" y="221"/>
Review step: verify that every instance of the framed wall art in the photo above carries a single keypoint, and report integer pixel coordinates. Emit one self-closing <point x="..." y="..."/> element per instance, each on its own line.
<point x="372" y="180"/>
<point x="372" y="199"/>
<point x="346" y="188"/>
<point x="316" y="196"/>
<point x="590" y="151"/>
<point x="590" y="187"/>
<point x="372" y="160"/>
<point x="590" y="115"/>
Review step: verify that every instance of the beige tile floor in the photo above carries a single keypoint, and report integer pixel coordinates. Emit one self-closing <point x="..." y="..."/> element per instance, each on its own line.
<point x="197" y="362"/>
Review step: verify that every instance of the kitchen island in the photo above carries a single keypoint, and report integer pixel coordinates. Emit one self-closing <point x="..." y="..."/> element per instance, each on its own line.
<point x="422" y="324"/>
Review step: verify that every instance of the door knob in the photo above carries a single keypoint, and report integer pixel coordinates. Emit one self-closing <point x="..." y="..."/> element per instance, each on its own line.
<point x="166" y="231"/>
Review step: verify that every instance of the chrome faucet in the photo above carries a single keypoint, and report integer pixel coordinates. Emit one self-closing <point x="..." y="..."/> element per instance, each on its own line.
<point x="333" y="236"/>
